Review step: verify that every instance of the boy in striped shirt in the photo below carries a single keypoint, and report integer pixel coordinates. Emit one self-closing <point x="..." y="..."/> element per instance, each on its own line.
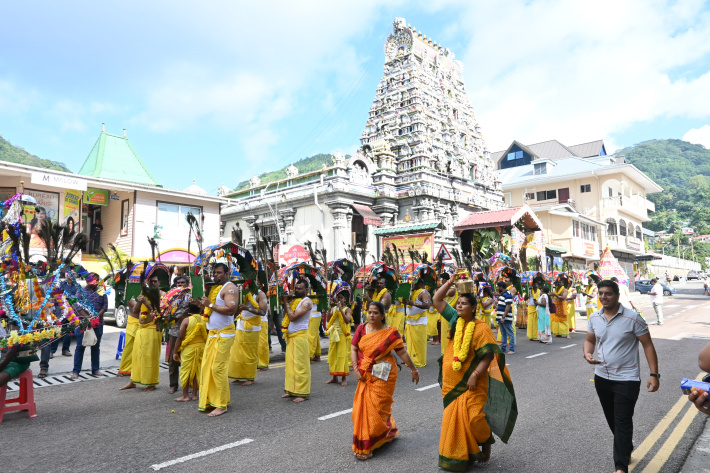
<point x="504" y="317"/>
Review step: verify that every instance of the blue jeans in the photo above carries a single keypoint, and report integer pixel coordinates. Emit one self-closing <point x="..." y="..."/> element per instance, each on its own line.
<point x="507" y="335"/>
<point x="66" y="342"/>
<point x="95" y="350"/>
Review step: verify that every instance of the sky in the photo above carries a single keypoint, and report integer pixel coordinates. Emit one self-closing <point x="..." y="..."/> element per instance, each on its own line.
<point x="218" y="91"/>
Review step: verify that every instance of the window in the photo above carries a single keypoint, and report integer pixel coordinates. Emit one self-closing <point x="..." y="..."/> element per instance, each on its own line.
<point x="611" y="192"/>
<point x="575" y="229"/>
<point x="638" y="233"/>
<point x="530" y="196"/>
<point x="515" y="155"/>
<point x="547" y="195"/>
<point x="585" y="188"/>
<point x="622" y="228"/>
<point x="611" y="226"/>
<point x="270" y="231"/>
<point x="540" y="168"/>
<point x="172" y="219"/>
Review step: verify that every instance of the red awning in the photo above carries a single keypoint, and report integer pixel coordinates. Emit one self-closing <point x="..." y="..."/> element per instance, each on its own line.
<point x="368" y="216"/>
<point x="500" y="218"/>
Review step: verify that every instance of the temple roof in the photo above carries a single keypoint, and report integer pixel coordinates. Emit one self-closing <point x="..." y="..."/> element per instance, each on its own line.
<point x="195" y="189"/>
<point x="113" y="157"/>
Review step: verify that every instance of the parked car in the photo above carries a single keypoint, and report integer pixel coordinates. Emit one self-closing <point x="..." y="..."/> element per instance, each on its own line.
<point x="692" y="275"/>
<point x="644" y="286"/>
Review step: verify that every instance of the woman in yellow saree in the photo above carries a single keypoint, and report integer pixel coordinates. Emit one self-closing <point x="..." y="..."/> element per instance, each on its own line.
<point x="478" y="394"/>
<point x="376" y="372"/>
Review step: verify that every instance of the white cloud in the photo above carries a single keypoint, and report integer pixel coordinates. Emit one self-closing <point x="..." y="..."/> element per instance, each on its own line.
<point x="579" y="71"/>
<point x="700" y="136"/>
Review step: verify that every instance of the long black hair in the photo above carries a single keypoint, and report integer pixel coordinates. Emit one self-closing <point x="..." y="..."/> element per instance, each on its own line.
<point x="471" y="298"/>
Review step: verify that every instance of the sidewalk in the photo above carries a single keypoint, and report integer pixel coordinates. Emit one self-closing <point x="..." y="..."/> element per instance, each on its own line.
<point x="698" y="460"/>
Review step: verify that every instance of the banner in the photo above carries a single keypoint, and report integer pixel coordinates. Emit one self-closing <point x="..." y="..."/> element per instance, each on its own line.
<point x="96" y="197"/>
<point x="47" y="207"/>
<point x="420" y="243"/>
<point x="72" y="209"/>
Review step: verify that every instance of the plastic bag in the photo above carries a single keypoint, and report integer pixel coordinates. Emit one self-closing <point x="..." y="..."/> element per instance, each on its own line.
<point x="89" y="338"/>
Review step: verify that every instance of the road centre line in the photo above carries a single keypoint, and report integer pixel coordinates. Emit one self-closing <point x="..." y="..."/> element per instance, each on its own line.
<point x="664" y="453"/>
<point x="568" y="346"/>
<point x="539" y="354"/>
<point x="428" y="387"/>
<point x="335" y="414"/>
<point x="203" y="453"/>
<point x="657" y="431"/>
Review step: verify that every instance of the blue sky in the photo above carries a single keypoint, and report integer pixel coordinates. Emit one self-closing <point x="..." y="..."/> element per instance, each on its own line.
<point x="220" y="91"/>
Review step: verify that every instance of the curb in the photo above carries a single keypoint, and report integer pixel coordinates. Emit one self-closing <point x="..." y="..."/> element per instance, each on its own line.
<point x="699" y="456"/>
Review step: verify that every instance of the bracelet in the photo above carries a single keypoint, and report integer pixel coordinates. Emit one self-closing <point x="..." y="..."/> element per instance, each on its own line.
<point x="415" y="371"/>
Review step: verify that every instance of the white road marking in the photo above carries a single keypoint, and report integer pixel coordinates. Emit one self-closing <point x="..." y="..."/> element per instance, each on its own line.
<point x="428" y="387"/>
<point x="673" y="305"/>
<point x="689" y="307"/>
<point x="539" y="354"/>
<point x="200" y="454"/>
<point x="335" y="414"/>
<point x="568" y="346"/>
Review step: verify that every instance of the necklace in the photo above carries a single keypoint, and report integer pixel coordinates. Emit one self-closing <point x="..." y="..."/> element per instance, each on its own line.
<point x="462" y="342"/>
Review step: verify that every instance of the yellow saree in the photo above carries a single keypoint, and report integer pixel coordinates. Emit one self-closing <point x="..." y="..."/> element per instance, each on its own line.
<point x="373" y="425"/>
<point x="472" y="416"/>
<point x="145" y="367"/>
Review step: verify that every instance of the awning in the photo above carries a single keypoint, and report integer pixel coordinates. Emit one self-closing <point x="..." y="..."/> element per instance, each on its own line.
<point x="407" y="229"/>
<point x="500" y="218"/>
<point x="647" y="257"/>
<point x="556" y="249"/>
<point x="369" y="217"/>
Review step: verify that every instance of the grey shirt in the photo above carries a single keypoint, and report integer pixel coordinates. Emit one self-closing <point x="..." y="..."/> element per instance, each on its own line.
<point x="617" y="344"/>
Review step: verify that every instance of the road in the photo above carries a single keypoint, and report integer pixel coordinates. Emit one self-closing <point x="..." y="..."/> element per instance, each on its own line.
<point x="90" y="426"/>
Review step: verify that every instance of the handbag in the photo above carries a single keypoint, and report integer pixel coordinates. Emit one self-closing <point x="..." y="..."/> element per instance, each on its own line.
<point x="89" y="339"/>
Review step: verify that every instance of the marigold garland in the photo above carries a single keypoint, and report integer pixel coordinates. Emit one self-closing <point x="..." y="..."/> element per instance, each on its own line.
<point x="286" y="321"/>
<point x="462" y="343"/>
<point x="214" y="292"/>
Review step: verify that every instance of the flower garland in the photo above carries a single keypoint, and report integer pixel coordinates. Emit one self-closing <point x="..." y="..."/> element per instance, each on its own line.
<point x="462" y="343"/>
<point x="247" y="324"/>
<point x="338" y="316"/>
<point x="378" y="297"/>
<point x="214" y="292"/>
<point x="286" y="321"/>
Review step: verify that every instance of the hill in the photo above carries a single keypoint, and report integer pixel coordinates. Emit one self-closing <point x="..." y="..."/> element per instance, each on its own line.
<point x="683" y="170"/>
<point x="304" y="165"/>
<point x="15" y="154"/>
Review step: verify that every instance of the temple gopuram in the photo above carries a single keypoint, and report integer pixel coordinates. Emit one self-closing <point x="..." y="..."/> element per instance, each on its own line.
<point x="422" y="167"/>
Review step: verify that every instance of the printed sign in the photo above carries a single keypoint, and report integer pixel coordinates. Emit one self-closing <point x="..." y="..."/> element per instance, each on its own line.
<point x="57" y="180"/>
<point x="446" y="256"/>
<point x="420" y="243"/>
<point x="295" y="254"/>
<point x="96" y="197"/>
<point x="47" y="208"/>
<point x="72" y="208"/>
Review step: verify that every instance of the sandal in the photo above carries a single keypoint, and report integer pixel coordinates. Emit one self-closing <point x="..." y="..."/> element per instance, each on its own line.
<point x="42" y="373"/>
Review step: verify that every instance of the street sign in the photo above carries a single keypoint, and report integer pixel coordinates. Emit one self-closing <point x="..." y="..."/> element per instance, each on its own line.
<point x="446" y="255"/>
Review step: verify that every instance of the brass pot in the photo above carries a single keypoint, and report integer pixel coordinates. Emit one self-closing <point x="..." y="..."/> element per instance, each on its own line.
<point x="465" y="286"/>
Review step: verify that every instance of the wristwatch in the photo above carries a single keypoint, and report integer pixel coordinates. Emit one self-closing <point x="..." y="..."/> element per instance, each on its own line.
<point x="656" y="375"/>
<point x="211" y="305"/>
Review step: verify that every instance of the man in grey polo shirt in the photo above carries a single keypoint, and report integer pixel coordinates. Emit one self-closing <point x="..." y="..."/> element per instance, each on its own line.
<point x="616" y="331"/>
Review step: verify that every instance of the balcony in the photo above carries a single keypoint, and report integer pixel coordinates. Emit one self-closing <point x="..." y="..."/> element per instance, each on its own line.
<point x="626" y="244"/>
<point x="635" y="206"/>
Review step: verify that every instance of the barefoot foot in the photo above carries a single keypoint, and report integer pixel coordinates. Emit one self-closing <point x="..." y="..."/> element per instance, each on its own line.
<point x="284" y="396"/>
<point x="362" y="456"/>
<point x="217" y="412"/>
<point x="128" y="386"/>
<point x="182" y="399"/>
<point x="299" y="399"/>
<point x="332" y="381"/>
<point x="247" y="383"/>
<point x="150" y="388"/>
<point x="344" y="383"/>
<point x="486" y="449"/>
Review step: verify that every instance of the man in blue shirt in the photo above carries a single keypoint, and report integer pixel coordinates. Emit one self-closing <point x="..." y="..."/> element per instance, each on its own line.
<point x="100" y="303"/>
<point x="47" y="352"/>
<point x="504" y="317"/>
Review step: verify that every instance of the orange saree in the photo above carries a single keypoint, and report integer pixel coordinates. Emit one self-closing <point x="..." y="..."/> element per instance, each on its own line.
<point x="373" y="425"/>
<point x="472" y="416"/>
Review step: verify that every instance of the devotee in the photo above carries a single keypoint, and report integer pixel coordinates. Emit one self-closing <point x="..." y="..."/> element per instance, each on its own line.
<point x="219" y="307"/>
<point x="338" y="320"/>
<point x="297" y="312"/>
<point x="416" y="325"/>
<point x="544" y="329"/>
<point x="262" y="363"/>
<point x="145" y="364"/>
<point x="173" y="331"/>
<point x="188" y="350"/>
<point x="244" y="356"/>
<point x="472" y="360"/>
<point x="314" y="328"/>
<point x="571" y="309"/>
<point x="378" y="292"/>
<point x="486" y="306"/>
<point x="532" y="311"/>
<point x="617" y="379"/>
<point x="99" y="302"/>
<point x="591" y="293"/>
<point x="132" y="326"/>
<point x="376" y="372"/>
<point x="558" y="318"/>
<point x="504" y="316"/>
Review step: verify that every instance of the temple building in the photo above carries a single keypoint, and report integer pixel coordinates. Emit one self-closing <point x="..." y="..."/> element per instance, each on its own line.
<point x="422" y="166"/>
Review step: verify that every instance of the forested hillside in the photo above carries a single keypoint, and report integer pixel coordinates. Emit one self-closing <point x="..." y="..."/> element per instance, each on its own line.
<point x="15" y="154"/>
<point x="304" y="165"/>
<point x="683" y="170"/>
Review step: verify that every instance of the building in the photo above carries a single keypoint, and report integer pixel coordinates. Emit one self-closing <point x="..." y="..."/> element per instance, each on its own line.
<point x="586" y="199"/>
<point x="421" y="167"/>
<point x="115" y="186"/>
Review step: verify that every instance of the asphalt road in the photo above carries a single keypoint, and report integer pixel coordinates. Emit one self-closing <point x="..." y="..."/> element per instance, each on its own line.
<point x="91" y="426"/>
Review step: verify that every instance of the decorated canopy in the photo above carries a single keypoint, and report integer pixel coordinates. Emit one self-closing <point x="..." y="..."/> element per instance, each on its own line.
<point x="609" y="267"/>
<point x="342" y="269"/>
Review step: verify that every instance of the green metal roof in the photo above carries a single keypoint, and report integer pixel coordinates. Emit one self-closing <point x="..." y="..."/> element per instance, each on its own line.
<point x="113" y="157"/>
<point x="555" y="248"/>
<point x="406" y="229"/>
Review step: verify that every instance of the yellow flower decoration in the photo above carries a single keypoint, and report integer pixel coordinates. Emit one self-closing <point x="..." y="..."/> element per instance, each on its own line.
<point x="462" y="342"/>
